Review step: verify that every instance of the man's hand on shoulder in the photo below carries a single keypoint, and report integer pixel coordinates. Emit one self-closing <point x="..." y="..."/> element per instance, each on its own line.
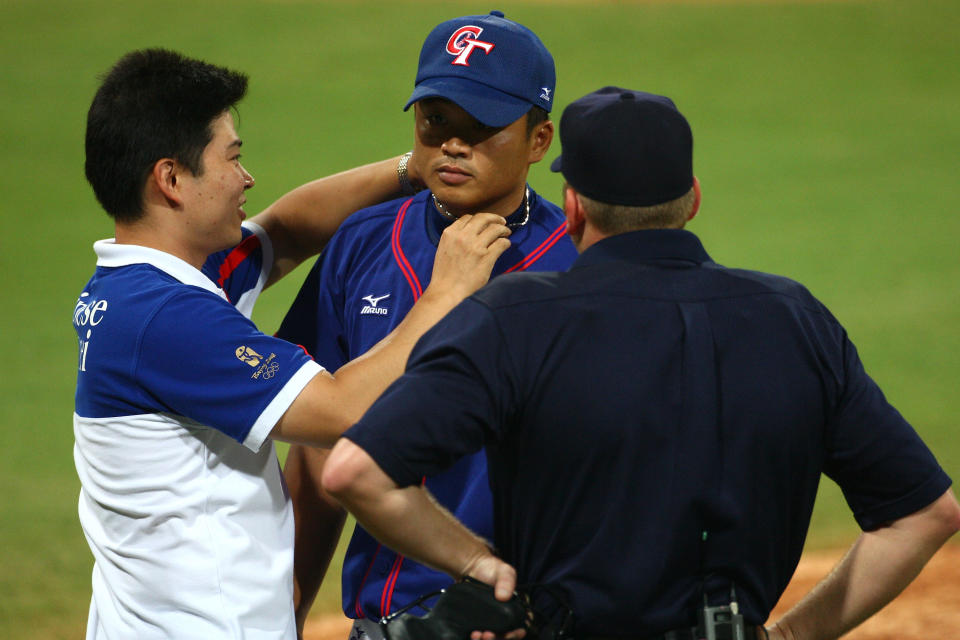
<point x="467" y="252"/>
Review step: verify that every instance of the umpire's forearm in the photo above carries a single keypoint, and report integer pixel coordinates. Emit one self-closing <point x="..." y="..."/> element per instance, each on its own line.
<point x="411" y="522"/>
<point x="878" y="566"/>
<point x="407" y="519"/>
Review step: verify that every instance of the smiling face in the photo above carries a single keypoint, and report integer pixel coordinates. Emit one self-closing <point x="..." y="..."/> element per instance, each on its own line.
<point x="214" y="198"/>
<point x="471" y="167"/>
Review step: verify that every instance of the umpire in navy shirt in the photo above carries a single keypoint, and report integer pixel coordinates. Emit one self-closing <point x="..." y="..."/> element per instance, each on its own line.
<point x="656" y="424"/>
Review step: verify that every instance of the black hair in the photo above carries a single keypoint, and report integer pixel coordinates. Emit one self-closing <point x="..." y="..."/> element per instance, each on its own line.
<point x="152" y="104"/>
<point x="535" y="116"/>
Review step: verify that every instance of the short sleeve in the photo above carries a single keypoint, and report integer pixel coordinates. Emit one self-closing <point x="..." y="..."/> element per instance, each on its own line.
<point x="457" y="396"/>
<point x="884" y="469"/>
<point x="201" y="359"/>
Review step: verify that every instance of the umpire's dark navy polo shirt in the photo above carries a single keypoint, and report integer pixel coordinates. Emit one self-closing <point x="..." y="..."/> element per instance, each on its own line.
<point x="656" y="424"/>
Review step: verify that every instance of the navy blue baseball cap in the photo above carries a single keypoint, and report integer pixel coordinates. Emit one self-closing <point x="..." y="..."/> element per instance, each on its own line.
<point x="493" y="68"/>
<point x="626" y="147"/>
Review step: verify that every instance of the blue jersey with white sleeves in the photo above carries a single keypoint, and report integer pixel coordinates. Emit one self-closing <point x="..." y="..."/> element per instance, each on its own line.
<point x="367" y="279"/>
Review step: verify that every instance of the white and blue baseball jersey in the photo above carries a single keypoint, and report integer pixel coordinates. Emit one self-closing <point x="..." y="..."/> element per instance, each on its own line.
<point x="182" y="500"/>
<point x="367" y="279"/>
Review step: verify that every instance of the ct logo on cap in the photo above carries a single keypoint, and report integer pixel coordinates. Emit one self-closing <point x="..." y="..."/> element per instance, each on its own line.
<point x="464" y="42"/>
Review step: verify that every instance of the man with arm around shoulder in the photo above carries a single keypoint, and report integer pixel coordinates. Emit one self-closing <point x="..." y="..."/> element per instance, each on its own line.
<point x="179" y="396"/>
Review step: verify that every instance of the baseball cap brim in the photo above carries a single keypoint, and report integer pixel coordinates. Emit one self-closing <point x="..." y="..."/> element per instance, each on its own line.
<point x="557" y="165"/>
<point x="491" y="107"/>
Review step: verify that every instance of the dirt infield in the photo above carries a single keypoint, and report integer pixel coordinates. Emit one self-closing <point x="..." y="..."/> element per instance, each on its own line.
<point x="928" y="608"/>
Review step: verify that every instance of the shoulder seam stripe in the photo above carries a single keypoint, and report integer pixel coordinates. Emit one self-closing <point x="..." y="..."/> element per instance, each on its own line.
<point x="236" y="257"/>
<point x="399" y="256"/>
<point x="538" y="253"/>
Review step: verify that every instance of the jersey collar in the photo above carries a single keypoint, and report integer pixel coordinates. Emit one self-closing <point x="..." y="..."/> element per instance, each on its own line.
<point x="649" y="245"/>
<point x="111" y="254"/>
<point x="436" y="222"/>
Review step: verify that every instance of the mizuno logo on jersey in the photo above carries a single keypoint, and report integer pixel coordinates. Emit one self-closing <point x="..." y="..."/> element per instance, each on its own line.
<point x="372" y="308"/>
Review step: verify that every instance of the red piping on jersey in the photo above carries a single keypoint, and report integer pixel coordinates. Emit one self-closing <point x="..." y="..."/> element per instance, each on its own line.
<point x="411" y="275"/>
<point x="400" y="257"/>
<point x="236" y="257"/>
<point x="537" y="253"/>
<point x="356" y="601"/>
<point x="387" y="596"/>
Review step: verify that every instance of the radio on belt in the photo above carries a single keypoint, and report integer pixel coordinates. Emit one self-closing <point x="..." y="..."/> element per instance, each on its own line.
<point x="722" y="622"/>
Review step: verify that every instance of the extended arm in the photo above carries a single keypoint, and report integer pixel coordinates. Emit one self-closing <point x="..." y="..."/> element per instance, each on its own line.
<point x="301" y="222"/>
<point x="878" y="566"/>
<point x="329" y="404"/>
<point x="408" y="520"/>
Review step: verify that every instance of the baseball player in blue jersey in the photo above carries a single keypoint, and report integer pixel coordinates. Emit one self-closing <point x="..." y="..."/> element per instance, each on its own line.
<point x="179" y="396"/>
<point x="483" y="91"/>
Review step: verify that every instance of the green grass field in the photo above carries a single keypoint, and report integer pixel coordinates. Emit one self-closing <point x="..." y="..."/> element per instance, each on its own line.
<point x="826" y="142"/>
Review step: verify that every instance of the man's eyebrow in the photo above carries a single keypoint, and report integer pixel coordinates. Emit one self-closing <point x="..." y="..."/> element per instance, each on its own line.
<point x="236" y="143"/>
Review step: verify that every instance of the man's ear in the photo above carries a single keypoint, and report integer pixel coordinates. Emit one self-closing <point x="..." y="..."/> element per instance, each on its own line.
<point x="166" y="178"/>
<point x="540" y="139"/>
<point x="696" y="199"/>
<point x="576" y="216"/>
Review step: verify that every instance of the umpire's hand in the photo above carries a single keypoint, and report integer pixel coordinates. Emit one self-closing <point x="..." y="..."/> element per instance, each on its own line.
<point x="493" y="571"/>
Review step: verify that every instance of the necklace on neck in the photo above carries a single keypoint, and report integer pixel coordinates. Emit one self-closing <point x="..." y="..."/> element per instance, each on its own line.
<point x="442" y="208"/>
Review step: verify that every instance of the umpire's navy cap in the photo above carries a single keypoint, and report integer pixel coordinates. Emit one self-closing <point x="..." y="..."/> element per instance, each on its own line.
<point x="626" y="147"/>
<point x="493" y="68"/>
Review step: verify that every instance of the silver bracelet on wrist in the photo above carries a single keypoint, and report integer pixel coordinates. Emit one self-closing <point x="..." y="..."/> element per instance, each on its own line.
<point x="406" y="187"/>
